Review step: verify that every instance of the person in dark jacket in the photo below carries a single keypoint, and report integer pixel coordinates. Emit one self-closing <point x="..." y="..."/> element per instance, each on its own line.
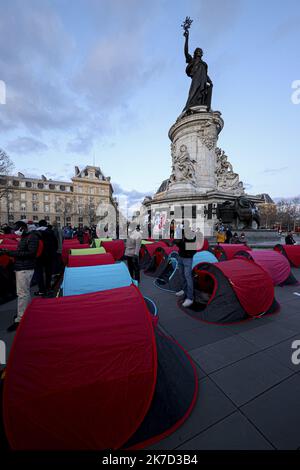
<point x="187" y="249"/>
<point x="80" y="234"/>
<point x="25" y="261"/>
<point x="289" y="239"/>
<point x="228" y="235"/>
<point x="57" y="262"/>
<point x="235" y="239"/>
<point x="45" y="262"/>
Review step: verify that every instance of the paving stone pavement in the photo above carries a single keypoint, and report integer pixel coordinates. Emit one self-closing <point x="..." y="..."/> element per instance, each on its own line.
<point x="248" y="386"/>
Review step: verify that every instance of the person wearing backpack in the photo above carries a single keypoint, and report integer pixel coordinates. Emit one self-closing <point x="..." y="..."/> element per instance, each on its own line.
<point x="25" y="261"/>
<point x="45" y="262"/>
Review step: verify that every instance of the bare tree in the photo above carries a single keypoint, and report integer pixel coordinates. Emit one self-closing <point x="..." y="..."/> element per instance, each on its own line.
<point x="65" y="209"/>
<point x="90" y="211"/>
<point x="6" y="193"/>
<point x="268" y="215"/>
<point x="288" y="213"/>
<point x="6" y="166"/>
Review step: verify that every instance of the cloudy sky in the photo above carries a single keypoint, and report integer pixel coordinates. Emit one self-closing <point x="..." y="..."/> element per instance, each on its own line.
<point x="103" y="81"/>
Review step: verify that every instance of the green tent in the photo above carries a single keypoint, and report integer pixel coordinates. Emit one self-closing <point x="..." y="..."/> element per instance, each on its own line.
<point x="88" y="251"/>
<point x="97" y="241"/>
<point x="146" y="242"/>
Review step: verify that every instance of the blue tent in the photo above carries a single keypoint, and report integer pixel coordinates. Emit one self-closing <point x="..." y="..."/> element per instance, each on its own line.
<point x="203" y="257"/>
<point x="87" y="279"/>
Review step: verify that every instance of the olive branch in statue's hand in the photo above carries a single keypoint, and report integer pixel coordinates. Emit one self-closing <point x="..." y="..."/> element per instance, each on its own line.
<point x="186" y="25"/>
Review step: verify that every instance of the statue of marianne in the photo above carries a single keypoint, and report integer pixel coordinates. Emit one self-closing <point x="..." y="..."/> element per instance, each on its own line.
<point x="200" y="93"/>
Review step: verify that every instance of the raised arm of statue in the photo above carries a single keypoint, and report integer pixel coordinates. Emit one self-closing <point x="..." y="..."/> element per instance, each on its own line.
<point x="188" y="57"/>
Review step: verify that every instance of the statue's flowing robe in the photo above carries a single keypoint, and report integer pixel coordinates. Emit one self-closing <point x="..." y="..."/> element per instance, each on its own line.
<point x="197" y="70"/>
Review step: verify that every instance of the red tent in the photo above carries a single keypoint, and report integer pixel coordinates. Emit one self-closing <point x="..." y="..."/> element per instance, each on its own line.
<point x="276" y="265"/>
<point x="78" y="379"/>
<point x="205" y="246"/>
<point x="115" y="247"/>
<point x="9" y="241"/>
<point x="69" y="246"/>
<point x="9" y="236"/>
<point x="83" y="371"/>
<point x="160" y="259"/>
<point x="8" y="246"/>
<point x="90" y="260"/>
<point x="226" y="251"/>
<point x="234" y="290"/>
<point x="292" y="253"/>
<point x="147" y="251"/>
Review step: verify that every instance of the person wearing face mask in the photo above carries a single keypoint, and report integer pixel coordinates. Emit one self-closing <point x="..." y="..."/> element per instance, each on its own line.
<point x="25" y="258"/>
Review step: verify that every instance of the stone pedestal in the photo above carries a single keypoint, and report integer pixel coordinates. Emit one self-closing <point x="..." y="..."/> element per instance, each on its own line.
<point x="202" y="177"/>
<point x="197" y="133"/>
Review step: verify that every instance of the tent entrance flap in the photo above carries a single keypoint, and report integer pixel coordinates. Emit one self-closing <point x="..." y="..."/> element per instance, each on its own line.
<point x="206" y="284"/>
<point x="173" y="399"/>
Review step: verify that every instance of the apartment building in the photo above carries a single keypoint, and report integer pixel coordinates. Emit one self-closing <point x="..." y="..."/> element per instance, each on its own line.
<point x="66" y="202"/>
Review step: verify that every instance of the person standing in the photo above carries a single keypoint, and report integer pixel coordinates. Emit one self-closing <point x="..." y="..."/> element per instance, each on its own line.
<point x="172" y="229"/>
<point x="185" y="262"/>
<point x="25" y="261"/>
<point x="289" y="239"/>
<point x="57" y="262"/>
<point x="228" y="235"/>
<point x="44" y="265"/>
<point x="235" y="239"/>
<point x="243" y="238"/>
<point x="86" y="236"/>
<point x="80" y="234"/>
<point x="132" y="252"/>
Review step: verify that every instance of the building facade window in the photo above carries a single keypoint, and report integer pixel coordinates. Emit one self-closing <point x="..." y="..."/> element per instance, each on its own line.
<point x="35" y="217"/>
<point x="46" y="197"/>
<point x="23" y="196"/>
<point x="23" y="217"/>
<point x="28" y="184"/>
<point x="34" y="197"/>
<point x="40" y="185"/>
<point x="34" y="207"/>
<point x="23" y="207"/>
<point x="47" y="208"/>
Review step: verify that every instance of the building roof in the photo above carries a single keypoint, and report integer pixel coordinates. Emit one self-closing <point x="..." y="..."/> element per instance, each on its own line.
<point x="267" y="199"/>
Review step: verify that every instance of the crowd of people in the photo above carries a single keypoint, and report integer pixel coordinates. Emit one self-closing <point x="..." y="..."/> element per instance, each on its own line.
<point x="37" y="258"/>
<point x="224" y="235"/>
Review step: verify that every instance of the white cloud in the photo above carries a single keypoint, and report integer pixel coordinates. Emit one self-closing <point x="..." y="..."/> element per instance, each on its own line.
<point x="24" y="145"/>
